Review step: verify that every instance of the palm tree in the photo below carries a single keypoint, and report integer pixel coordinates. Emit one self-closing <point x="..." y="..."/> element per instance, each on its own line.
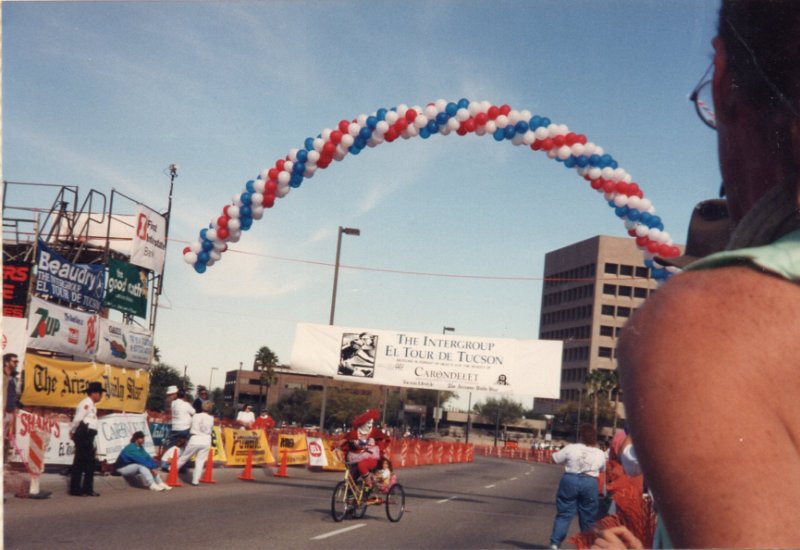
<point x="265" y="362"/>
<point x="598" y="381"/>
<point x="156" y="355"/>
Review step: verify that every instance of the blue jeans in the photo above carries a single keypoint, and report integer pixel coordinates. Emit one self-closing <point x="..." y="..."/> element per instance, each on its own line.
<point x="576" y="493"/>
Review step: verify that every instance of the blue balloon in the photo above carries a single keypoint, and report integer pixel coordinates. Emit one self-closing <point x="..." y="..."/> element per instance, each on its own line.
<point x="432" y="127"/>
<point x="354" y="149"/>
<point x="621" y="211"/>
<point x="499" y="134"/>
<point x="451" y="109"/>
<point x="634" y="215"/>
<point x="247" y="223"/>
<point x="463" y="103"/>
<point x="441" y="119"/>
<point x="296" y="180"/>
<point x="424" y="133"/>
<point x="245" y="211"/>
<point x="207" y="245"/>
<point x="365" y="133"/>
<point x="594" y="160"/>
<point x="302" y="155"/>
<point x="380" y="114"/>
<point x="570" y="162"/>
<point x="203" y="257"/>
<point x="545" y="122"/>
<point x="372" y="122"/>
<point x="582" y="161"/>
<point x="299" y="167"/>
<point x="509" y="132"/>
<point x="536" y="121"/>
<point x="203" y="234"/>
<point x="605" y="161"/>
<point x="309" y="144"/>
<point x="200" y="268"/>
<point x="649" y="263"/>
<point x="250" y="186"/>
<point x="521" y="127"/>
<point x="246" y="198"/>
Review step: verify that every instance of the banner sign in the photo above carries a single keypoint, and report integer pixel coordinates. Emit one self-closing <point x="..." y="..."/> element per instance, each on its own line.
<point x="60" y="448"/>
<point x="56" y="383"/>
<point x="294" y="445"/>
<point x="429" y="361"/>
<point x="63" y="330"/>
<point x="124" y="345"/>
<point x="238" y="443"/>
<point x="16" y="279"/>
<point x="217" y="445"/>
<point x="316" y="452"/>
<point x="160" y="432"/>
<point x="333" y="459"/>
<point x="14" y="336"/>
<point x="114" y="432"/>
<point x="126" y="289"/>
<point x="149" y="245"/>
<point x="77" y="284"/>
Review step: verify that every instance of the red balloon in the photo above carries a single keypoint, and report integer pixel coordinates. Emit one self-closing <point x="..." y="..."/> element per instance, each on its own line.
<point x="559" y="141"/>
<point x="481" y="119"/>
<point x="225" y="209"/>
<point x="186" y="250"/>
<point x="272" y="173"/>
<point x="336" y="137"/>
<point x="469" y="125"/>
<point x="581" y="139"/>
<point x="505" y="109"/>
<point x="461" y="131"/>
<point x="343" y="125"/>
<point x="621" y="187"/>
<point x="665" y="250"/>
<point x="642" y="241"/>
<point x="329" y="148"/>
<point x="493" y="112"/>
<point x="269" y="200"/>
<point x="632" y="232"/>
<point x="571" y="139"/>
<point x="401" y="124"/>
<point x="279" y="164"/>
<point x="597" y="184"/>
<point x="222" y="221"/>
<point x="222" y="233"/>
<point x="536" y="145"/>
<point x="609" y="186"/>
<point x="270" y="187"/>
<point x="652" y="246"/>
<point x="547" y="144"/>
<point x="391" y="134"/>
<point x="411" y="114"/>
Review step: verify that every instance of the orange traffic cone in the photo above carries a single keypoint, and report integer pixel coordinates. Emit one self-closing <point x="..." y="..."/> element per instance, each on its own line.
<point x="284" y="459"/>
<point x="247" y="474"/>
<point x="172" y="478"/>
<point x="208" y="474"/>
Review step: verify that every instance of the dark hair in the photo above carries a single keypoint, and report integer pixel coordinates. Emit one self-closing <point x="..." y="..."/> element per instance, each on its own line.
<point x="384" y="459"/>
<point x="136" y="435"/>
<point x="762" y="42"/>
<point x="8" y="356"/>
<point x="181" y="393"/>
<point x="587" y="435"/>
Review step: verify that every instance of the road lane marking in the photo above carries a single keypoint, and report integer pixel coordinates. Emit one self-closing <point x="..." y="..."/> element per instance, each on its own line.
<point x="490" y="486"/>
<point x="445" y="500"/>
<point x="514" y="478"/>
<point x="338" y="531"/>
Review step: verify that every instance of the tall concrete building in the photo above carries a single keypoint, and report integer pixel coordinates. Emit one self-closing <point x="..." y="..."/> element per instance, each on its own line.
<point x="591" y="289"/>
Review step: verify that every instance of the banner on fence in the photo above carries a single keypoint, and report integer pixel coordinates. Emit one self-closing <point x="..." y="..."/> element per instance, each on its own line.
<point x="238" y="443"/>
<point x="114" y="432"/>
<point x="16" y="280"/>
<point x="126" y="288"/>
<point x="124" y="345"/>
<point x="430" y="361"/>
<point x="333" y="459"/>
<point x="56" y="383"/>
<point x="59" y="449"/>
<point x="149" y="245"/>
<point x="62" y="330"/>
<point x="81" y="285"/>
<point x="316" y="452"/>
<point x="218" y="446"/>
<point x="294" y="445"/>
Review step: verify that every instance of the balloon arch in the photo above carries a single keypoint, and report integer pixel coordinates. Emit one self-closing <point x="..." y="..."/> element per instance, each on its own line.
<point x="464" y="117"/>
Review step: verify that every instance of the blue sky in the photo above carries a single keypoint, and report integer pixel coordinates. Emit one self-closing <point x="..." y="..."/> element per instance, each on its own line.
<point x="108" y="94"/>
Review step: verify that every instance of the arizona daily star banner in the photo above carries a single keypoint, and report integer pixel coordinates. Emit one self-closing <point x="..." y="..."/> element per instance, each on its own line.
<point x="56" y="383"/>
<point x="56" y="328"/>
<point x="149" y="245"/>
<point x="124" y="345"/>
<point x="432" y="361"/>
<point x="126" y="289"/>
<point x="78" y="284"/>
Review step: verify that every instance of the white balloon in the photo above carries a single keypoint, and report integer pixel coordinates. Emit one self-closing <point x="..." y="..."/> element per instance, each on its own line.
<point x="421" y="121"/>
<point x="462" y="115"/>
<point x="391" y="117"/>
<point x="258" y="212"/>
<point x="634" y="202"/>
<point x="319" y="143"/>
<point x="541" y="132"/>
<point x="348" y="140"/>
<point x="353" y="129"/>
<point x="233" y="211"/>
<point x="214" y="255"/>
<point x="474" y="108"/>
<point x="630" y="225"/>
<point x="453" y="123"/>
<point x="594" y="173"/>
<point x="621" y="200"/>
<point x="293" y="155"/>
<point x="528" y="138"/>
<point x="641" y="230"/>
<point x="195" y="247"/>
<point x="653" y="234"/>
<point x="525" y="115"/>
<point x="411" y="131"/>
<point x="552" y="153"/>
<point x="445" y="130"/>
<point x="608" y="173"/>
<point x="362" y="120"/>
<point x="211" y="234"/>
<point x="284" y="177"/>
<point x="257" y="199"/>
<point x="485" y="106"/>
<point x="190" y="258"/>
<point x="237" y="199"/>
<point x="552" y="130"/>
<point x="513" y="117"/>
<point x="264" y="175"/>
<point x="234" y="237"/>
<point x="381" y="127"/>
<point x="339" y="154"/>
<point x="326" y="134"/>
<point x="282" y="190"/>
<point x="598" y="150"/>
<point x="233" y="225"/>
<point x="608" y="196"/>
<point x="480" y="130"/>
<point x="564" y="152"/>
<point x="490" y="126"/>
<point x="220" y="246"/>
<point x="646" y="205"/>
<point x="313" y="157"/>
<point x="578" y="149"/>
<point x="288" y="165"/>
<point x="430" y="111"/>
<point x="501" y="121"/>
<point x="441" y="104"/>
<point x="259" y="186"/>
<point x="518" y="139"/>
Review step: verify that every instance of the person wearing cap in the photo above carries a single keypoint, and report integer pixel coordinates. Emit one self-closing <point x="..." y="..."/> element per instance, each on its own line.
<point x="83" y="431"/>
<point x="199" y="442"/>
<point x="246" y="418"/>
<point x="202" y="395"/>
<point x="711" y="358"/>
<point x="182" y="412"/>
<point x="134" y="460"/>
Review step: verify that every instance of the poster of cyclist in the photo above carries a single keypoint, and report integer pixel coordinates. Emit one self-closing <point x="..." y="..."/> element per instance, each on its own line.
<point x="357" y="356"/>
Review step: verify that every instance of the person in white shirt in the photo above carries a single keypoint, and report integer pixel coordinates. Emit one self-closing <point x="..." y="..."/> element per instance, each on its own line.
<point x="182" y="412"/>
<point x="199" y="442"/>
<point x="578" y="489"/>
<point x="246" y="418"/>
<point x="83" y="431"/>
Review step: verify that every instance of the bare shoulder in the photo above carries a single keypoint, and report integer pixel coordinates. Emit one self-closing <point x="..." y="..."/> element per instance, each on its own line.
<point x="709" y="370"/>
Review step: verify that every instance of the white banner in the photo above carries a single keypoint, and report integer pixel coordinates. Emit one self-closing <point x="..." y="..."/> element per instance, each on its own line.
<point x="431" y="361"/>
<point x="124" y="345"/>
<point x="114" y="433"/>
<point x="56" y="328"/>
<point x="149" y="245"/>
<point x="60" y="449"/>
<point x="14" y="337"/>
<point x="316" y="452"/>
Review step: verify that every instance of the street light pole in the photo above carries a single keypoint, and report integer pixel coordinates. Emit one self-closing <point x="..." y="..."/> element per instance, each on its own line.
<point x="209" y="378"/>
<point x="437" y="412"/>
<point x="346" y="231"/>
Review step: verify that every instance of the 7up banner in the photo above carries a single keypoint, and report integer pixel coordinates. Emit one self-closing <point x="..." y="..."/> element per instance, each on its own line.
<point x="56" y="328"/>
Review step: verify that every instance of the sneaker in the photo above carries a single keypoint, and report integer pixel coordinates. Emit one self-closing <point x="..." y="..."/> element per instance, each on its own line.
<point x="195" y="483"/>
<point x="156" y="487"/>
<point x="164" y="485"/>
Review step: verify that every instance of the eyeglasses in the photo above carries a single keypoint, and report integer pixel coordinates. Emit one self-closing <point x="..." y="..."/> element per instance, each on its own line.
<point x="703" y="102"/>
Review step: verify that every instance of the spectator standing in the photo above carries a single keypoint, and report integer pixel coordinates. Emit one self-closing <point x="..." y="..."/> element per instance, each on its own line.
<point x="264" y="422"/>
<point x="134" y="460"/>
<point x="246" y="418"/>
<point x="182" y="413"/>
<point x="199" y="442"/>
<point x="202" y="395"/>
<point x="719" y="341"/>
<point x="83" y="432"/>
<point x="577" y="491"/>
<point x="10" y="363"/>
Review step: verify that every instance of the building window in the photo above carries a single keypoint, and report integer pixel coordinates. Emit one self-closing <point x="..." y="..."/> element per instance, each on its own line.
<point x="606" y="330"/>
<point x="604" y="352"/>
<point x="623" y="311"/>
<point x="611" y="269"/>
<point x="611" y="290"/>
<point x="626" y="270"/>
<point x="640" y="292"/>
<point x="607" y="310"/>
<point x="625" y="291"/>
<point x="642" y="272"/>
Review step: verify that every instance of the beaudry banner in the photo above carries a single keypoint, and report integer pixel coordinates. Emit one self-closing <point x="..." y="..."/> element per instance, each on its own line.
<point x="124" y="345"/>
<point x="60" y="329"/>
<point x="80" y="285"/>
<point x="149" y="245"/>
<point x="56" y="383"/>
<point x="431" y="361"/>
<point x="16" y="279"/>
<point x="126" y="289"/>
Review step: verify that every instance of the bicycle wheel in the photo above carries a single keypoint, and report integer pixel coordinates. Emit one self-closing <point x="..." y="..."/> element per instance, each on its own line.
<point x="395" y="502"/>
<point x="341" y="501"/>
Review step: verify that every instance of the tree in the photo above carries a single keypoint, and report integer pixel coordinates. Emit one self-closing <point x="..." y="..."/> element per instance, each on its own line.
<point x="502" y="411"/>
<point x="344" y="405"/>
<point x="298" y="406"/>
<point x="265" y="362"/>
<point x="598" y="384"/>
<point x="427" y="398"/>
<point x="156" y="355"/>
<point x="161" y="376"/>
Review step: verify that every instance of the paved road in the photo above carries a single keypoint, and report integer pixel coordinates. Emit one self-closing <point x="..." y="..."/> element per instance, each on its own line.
<point x="490" y="503"/>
